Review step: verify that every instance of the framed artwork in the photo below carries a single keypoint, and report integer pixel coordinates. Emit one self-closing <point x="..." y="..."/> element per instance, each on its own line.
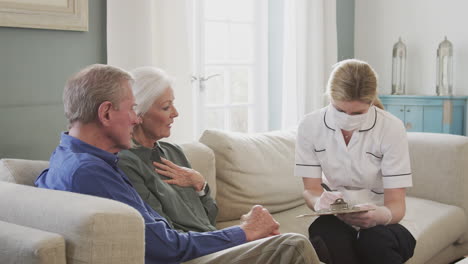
<point x="46" y="14"/>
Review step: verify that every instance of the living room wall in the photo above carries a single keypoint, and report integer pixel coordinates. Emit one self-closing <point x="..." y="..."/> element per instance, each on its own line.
<point x="422" y="25"/>
<point x="34" y="65"/>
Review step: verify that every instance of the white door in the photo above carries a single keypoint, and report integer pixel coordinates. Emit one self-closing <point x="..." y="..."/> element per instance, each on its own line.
<point x="230" y="55"/>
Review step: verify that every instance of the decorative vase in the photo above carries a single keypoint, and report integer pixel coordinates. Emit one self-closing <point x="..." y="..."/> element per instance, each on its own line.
<point x="399" y="68"/>
<point x="444" y="68"/>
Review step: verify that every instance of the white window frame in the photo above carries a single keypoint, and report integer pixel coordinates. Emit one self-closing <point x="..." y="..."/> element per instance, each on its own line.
<point x="258" y="97"/>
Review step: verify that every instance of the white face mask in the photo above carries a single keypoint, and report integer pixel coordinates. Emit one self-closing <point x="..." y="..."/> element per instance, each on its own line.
<point x="348" y="122"/>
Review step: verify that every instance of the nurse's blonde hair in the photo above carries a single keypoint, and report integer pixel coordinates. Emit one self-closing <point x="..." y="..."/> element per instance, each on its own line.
<point x="353" y="80"/>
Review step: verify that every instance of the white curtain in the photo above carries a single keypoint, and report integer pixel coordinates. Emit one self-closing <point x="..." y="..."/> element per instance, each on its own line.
<point x="156" y="33"/>
<point x="309" y="51"/>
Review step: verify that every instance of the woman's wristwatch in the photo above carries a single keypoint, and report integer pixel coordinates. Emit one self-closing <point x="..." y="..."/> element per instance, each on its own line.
<point x="204" y="190"/>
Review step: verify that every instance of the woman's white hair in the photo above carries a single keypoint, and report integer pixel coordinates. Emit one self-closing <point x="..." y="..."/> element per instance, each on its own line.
<point x="149" y="84"/>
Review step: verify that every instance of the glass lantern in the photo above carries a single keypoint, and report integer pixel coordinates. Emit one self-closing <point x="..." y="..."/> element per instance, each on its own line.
<point x="444" y="68"/>
<point x="399" y="67"/>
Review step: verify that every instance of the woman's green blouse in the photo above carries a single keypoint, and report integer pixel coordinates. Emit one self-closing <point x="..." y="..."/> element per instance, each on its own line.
<point x="181" y="206"/>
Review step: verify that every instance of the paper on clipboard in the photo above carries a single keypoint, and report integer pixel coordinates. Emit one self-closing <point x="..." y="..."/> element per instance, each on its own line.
<point x="332" y="212"/>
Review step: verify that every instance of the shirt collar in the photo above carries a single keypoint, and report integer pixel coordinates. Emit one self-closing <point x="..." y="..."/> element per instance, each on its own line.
<point x="371" y="120"/>
<point x="147" y="153"/>
<point x="79" y="146"/>
<point x="369" y="123"/>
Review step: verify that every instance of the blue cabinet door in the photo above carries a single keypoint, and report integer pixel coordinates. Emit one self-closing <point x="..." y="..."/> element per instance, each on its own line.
<point x="433" y="119"/>
<point x="459" y="120"/>
<point x="436" y="114"/>
<point x="413" y="118"/>
<point x="396" y="110"/>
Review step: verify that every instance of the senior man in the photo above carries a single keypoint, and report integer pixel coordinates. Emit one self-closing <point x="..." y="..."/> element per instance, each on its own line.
<point x="99" y="106"/>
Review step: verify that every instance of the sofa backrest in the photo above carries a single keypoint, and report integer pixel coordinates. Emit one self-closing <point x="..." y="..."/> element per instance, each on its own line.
<point x="25" y="172"/>
<point x="254" y="169"/>
<point x="202" y="160"/>
<point x="439" y="163"/>
<point x="21" y="171"/>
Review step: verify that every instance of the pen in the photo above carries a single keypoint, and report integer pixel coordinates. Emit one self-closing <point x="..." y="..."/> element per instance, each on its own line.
<point x="326" y="187"/>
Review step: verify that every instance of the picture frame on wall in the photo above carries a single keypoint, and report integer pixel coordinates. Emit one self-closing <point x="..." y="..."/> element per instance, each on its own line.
<point x="45" y="14"/>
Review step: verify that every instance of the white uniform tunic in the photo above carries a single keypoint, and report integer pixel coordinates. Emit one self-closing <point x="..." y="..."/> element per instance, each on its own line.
<point x="376" y="157"/>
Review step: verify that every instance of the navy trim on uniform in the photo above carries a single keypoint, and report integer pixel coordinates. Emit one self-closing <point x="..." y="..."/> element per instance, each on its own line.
<point x="375" y="121"/>
<point x="376" y="192"/>
<point x="325" y="121"/>
<point x="320" y="150"/>
<point x="374" y="155"/>
<point x="397" y="175"/>
<point x="307" y="165"/>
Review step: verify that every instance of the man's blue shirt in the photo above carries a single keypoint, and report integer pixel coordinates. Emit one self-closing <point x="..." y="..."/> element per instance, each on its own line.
<point x="78" y="167"/>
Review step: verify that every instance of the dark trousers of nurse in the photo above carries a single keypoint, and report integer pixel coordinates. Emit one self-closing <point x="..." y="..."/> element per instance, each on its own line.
<point x="337" y="243"/>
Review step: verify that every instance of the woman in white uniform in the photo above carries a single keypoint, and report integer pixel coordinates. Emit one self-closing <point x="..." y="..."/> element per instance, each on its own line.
<point x="361" y="152"/>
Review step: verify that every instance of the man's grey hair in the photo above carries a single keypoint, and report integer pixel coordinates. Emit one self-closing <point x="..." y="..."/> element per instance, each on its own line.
<point x="86" y="90"/>
<point x="150" y="83"/>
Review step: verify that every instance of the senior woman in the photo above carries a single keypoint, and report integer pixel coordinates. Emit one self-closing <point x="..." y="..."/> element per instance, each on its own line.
<point x="158" y="170"/>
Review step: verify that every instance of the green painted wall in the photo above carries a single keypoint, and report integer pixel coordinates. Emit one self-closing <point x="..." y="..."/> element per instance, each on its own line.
<point x="34" y="66"/>
<point x="345" y="28"/>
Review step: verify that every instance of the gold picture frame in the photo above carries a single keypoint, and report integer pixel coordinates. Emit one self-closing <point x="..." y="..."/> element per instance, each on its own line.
<point x="45" y="14"/>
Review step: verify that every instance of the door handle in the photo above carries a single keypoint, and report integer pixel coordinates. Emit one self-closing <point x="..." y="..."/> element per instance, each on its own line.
<point x="203" y="79"/>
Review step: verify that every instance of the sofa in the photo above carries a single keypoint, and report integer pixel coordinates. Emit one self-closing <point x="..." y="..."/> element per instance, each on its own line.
<point x="47" y="226"/>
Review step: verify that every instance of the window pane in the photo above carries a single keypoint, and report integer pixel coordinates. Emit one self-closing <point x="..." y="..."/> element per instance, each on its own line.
<point x="240" y="81"/>
<point x="239" y="119"/>
<point x="216" y="37"/>
<point x="241" y="10"/>
<point x="214" y="118"/>
<point x="230" y="30"/>
<point x="216" y="9"/>
<point x="214" y="87"/>
<point x="241" y="42"/>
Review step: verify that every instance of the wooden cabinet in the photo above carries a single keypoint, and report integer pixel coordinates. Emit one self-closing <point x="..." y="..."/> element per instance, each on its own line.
<point x="436" y="114"/>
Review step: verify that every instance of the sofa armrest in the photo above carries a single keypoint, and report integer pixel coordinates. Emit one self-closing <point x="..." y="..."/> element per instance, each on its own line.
<point x="96" y="230"/>
<point x="440" y="168"/>
<point x="20" y="244"/>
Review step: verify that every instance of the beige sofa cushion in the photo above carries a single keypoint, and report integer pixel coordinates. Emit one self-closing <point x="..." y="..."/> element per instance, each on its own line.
<point x="21" y="171"/>
<point x="434" y="225"/>
<point x="440" y="168"/>
<point x="202" y="160"/>
<point x="96" y="230"/>
<point x="254" y="169"/>
<point x="20" y="244"/>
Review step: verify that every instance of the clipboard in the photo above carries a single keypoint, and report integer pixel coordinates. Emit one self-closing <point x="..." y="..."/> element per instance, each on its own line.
<point x="333" y="212"/>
